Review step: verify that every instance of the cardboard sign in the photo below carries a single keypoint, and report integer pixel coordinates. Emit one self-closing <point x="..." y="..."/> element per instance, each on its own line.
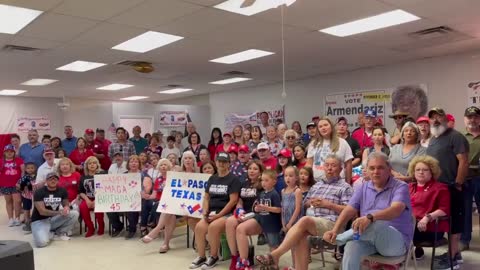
<point x="183" y="194"/>
<point x="118" y="193"/>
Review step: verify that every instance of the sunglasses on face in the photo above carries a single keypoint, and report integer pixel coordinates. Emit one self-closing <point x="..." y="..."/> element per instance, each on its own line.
<point x="290" y="137"/>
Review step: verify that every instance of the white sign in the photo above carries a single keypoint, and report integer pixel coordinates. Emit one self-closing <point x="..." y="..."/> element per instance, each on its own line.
<point x="118" y="193"/>
<point x="473" y="94"/>
<point x="173" y="118"/>
<point x="24" y="124"/>
<point x="253" y="118"/>
<point x="183" y="194"/>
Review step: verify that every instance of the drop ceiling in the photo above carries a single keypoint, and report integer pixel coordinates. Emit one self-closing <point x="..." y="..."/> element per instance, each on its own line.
<point x="71" y="30"/>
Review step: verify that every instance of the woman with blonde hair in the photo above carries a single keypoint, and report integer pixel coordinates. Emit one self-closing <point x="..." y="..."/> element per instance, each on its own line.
<point x="167" y="221"/>
<point x="430" y="200"/>
<point x="327" y="142"/>
<point x="87" y="193"/>
<point x="237" y="133"/>
<point x="69" y="179"/>
<point x="290" y="138"/>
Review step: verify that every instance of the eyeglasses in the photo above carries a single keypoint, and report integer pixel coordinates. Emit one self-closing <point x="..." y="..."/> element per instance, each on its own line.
<point x="422" y="170"/>
<point x="290" y="137"/>
<point x="398" y="117"/>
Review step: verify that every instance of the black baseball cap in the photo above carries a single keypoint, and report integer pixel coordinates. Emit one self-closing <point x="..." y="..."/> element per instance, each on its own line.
<point x="222" y="156"/>
<point x="341" y="118"/>
<point x="471" y="111"/>
<point x="310" y="124"/>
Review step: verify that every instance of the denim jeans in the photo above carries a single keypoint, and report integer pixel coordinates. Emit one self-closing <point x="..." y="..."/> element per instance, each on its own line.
<point x="145" y="213"/>
<point x="59" y="224"/>
<point x="471" y="191"/>
<point x="377" y="238"/>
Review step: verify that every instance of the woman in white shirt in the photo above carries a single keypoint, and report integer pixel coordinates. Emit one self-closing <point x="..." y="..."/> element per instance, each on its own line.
<point x="326" y="142"/>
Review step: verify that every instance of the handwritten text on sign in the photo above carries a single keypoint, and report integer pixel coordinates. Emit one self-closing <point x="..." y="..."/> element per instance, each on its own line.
<point x="118" y="192"/>
<point x="183" y="194"/>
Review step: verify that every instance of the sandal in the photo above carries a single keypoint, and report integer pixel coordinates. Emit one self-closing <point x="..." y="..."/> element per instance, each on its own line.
<point x="265" y="260"/>
<point x="144" y="232"/>
<point x="147" y="239"/>
<point x="163" y="249"/>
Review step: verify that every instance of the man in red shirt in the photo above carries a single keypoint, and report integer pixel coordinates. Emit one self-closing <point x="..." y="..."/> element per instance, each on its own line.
<point x="364" y="135"/>
<point x="100" y="148"/>
<point x="265" y="156"/>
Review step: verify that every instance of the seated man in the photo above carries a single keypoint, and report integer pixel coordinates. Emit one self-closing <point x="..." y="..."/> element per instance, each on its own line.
<point x="48" y="218"/>
<point x="385" y="223"/>
<point x="325" y="201"/>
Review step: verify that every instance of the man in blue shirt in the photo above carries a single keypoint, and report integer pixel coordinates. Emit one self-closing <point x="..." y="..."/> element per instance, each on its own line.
<point x="33" y="150"/>
<point x="137" y="140"/>
<point x="70" y="141"/>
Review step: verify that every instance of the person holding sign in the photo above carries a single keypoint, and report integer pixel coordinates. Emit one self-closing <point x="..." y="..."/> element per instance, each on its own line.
<point x="87" y="193"/>
<point x="221" y="196"/>
<point x="69" y="179"/>
<point x="251" y="187"/>
<point x="189" y="165"/>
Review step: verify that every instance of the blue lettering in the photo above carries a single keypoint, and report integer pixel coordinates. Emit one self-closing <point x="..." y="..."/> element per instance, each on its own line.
<point x="174" y="182"/>
<point x="179" y="194"/>
<point x="192" y="196"/>
<point x="173" y="192"/>
<point x="199" y="196"/>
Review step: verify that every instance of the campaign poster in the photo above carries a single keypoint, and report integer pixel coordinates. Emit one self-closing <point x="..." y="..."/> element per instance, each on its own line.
<point x="118" y="192"/>
<point x="173" y="118"/>
<point x="275" y="116"/>
<point x="24" y="124"/>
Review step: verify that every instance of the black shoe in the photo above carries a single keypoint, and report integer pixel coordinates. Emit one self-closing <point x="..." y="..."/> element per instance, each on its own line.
<point x="116" y="232"/>
<point x="199" y="261"/>
<point x="129" y="235"/>
<point x="210" y="263"/>
<point x="261" y="240"/>
<point x="419" y="253"/>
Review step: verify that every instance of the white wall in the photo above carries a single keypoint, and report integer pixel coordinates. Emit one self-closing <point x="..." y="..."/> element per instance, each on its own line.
<point x="13" y="107"/>
<point x="446" y="78"/>
<point x="86" y="113"/>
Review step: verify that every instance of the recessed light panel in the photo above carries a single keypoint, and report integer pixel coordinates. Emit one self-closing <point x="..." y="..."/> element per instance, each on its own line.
<point x="39" y="82"/>
<point x="134" y="98"/>
<point x="175" y="91"/>
<point x="14" y="19"/>
<point x="81" y="66"/>
<point x="146" y="42"/>
<point x="241" y="56"/>
<point x="115" y="87"/>
<point x="11" y="92"/>
<point x="231" y="80"/>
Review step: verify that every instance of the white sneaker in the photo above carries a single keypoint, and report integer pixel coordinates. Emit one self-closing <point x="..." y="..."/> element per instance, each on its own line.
<point x="63" y="237"/>
<point x="69" y="233"/>
<point x="16" y="222"/>
<point x="11" y="222"/>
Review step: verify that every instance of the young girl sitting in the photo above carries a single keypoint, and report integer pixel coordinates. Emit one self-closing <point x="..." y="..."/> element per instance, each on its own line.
<point x="11" y="169"/>
<point x="267" y="220"/>
<point x="26" y="185"/>
<point x="291" y="202"/>
<point x="306" y="180"/>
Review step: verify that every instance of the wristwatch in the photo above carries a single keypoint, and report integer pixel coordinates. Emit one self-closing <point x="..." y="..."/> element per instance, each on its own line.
<point x="370" y="217"/>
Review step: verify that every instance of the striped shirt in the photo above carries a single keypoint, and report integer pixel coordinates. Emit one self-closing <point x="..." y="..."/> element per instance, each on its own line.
<point x="337" y="191"/>
<point x="127" y="149"/>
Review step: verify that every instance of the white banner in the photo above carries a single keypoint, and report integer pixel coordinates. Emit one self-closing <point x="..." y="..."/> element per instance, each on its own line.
<point x="24" y="124"/>
<point x="183" y="194"/>
<point x="172" y="118"/>
<point x="411" y="99"/>
<point x="473" y="94"/>
<point x="118" y="193"/>
<point x="253" y="118"/>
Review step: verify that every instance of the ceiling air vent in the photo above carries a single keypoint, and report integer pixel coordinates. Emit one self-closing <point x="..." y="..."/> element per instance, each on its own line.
<point x="434" y="32"/>
<point x="132" y="63"/>
<point x="15" y="48"/>
<point x="173" y="86"/>
<point x="234" y="73"/>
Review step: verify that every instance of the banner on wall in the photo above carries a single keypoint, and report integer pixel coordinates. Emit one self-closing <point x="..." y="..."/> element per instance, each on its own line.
<point x="117" y="192"/>
<point x="253" y="118"/>
<point x="183" y="194"/>
<point x="473" y="94"/>
<point x="172" y="118"/>
<point x="409" y="98"/>
<point x="24" y="124"/>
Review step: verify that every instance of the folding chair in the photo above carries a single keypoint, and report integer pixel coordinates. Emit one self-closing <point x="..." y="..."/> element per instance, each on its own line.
<point x="395" y="260"/>
<point x="437" y="243"/>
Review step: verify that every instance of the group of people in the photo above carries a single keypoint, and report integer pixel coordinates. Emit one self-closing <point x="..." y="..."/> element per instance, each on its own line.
<point x="358" y="190"/>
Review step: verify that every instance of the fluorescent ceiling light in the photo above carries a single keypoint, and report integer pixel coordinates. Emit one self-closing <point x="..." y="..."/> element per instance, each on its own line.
<point x="371" y="23"/>
<point x="250" y="7"/>
<point x="11" y="92"/>
<point x="175" y="91"/>
<point x="14" y="19"/>
<point x="146" y="42"/>
<point x="115" y="87"/>
<point x="231" y="80"/>
<point x="81" y="66"/>
<point x="39" y="82"/>
<point x="241" y="56"/>
<point x="134" y="98"/>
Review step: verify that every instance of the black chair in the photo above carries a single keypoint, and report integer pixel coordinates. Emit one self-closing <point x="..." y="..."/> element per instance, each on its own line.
<point x="437" y="243"/>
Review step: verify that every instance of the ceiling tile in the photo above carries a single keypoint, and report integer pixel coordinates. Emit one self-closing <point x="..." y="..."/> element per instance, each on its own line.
<point x="33" y="42"/>
<point x="108" y="35"/>
<point x="152" y="13"/>
<point x="57" y="27"/>
<point x="95" y="9"/>
<point x="206" y="3"/>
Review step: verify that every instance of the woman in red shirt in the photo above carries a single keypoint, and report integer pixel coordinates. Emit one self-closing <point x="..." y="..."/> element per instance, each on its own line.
<point x="11" y="170"/>
<point x="69" y="179"/>
<point x="299" y="156"/>
<point x="430" y="200"/>
<point x="80" y="154"/>
<point x="167" y="221"/>
<point x="215" y="141"/>
<point x="227" y="142"/>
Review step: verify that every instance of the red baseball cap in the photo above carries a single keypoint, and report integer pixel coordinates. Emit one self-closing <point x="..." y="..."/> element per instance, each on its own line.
<point x="244" y="148"/>
<point x="227" y="134"/>
<point x="233" y="149"/>
<point x="450" y="117"/>
<point x="315" y="117"/>
<point x="89" y="131"/>
<point x="285" y="153"/>
<point x="423" y="119"/>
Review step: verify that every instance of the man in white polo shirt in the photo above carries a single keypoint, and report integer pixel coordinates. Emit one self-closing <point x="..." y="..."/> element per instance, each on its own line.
<point x="47" y="167"/>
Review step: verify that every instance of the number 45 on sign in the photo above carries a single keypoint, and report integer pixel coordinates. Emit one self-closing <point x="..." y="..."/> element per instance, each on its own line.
<point x="115" y="207"/>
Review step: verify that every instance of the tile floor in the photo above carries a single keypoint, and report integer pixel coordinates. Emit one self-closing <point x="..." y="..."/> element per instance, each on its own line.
<point x="119" y="254"/>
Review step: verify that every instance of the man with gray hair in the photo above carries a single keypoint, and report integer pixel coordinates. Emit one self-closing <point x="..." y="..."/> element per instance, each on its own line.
<point x="385" y="222"/>
<point x="190" y="129"/>
<point x="325" y="201"/>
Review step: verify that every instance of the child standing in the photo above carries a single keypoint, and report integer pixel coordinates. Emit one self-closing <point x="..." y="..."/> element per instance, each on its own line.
<point x="11" y="170"/>
<point x="267" y="219"/>
<point x="306" y="180"/>
<point x="291" y="202"/>
<point x="26" y="185"/>
<point x="284" y="161"/>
